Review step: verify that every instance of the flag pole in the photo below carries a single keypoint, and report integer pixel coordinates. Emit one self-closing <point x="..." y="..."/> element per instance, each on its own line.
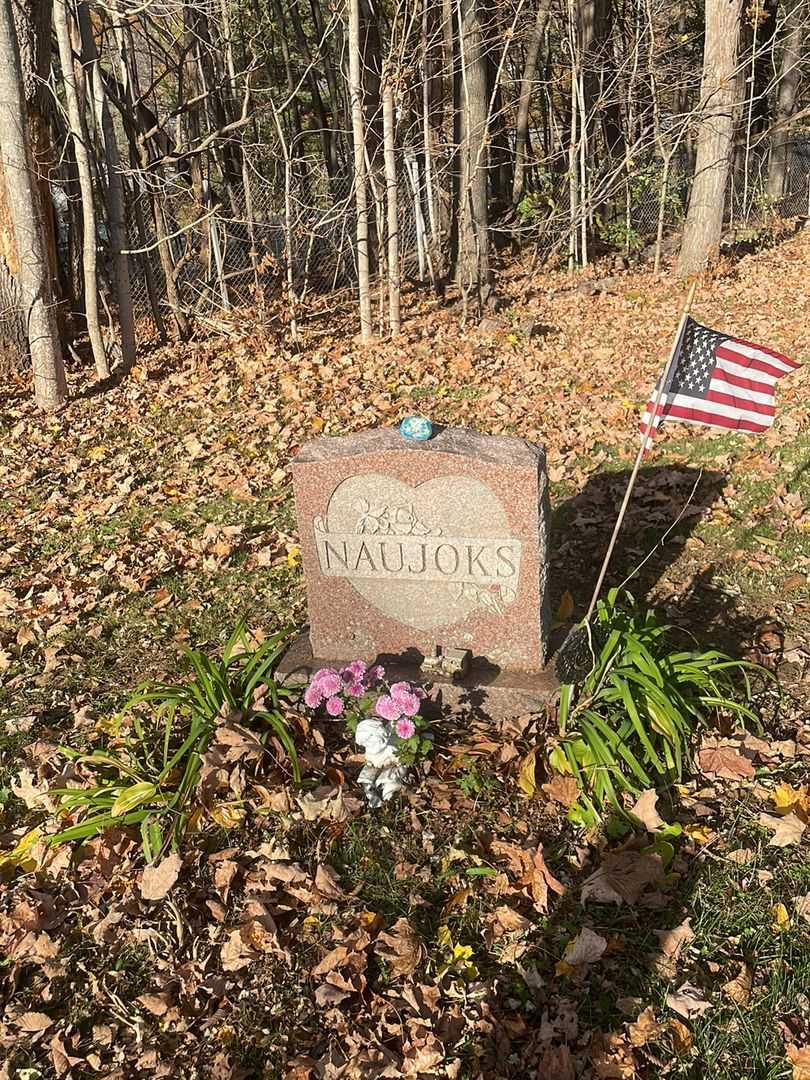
<point x="634" y="474"/>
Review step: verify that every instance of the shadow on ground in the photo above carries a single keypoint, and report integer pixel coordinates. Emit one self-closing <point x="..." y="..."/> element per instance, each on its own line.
<point x="651" y="557"/>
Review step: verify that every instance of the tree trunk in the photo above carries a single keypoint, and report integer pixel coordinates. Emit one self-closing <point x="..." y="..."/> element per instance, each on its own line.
<point x="789" y="76"/>
<point x="525" y="99"/>
<point x="37" y="302"/>
<point x="360" y="188"/>
<point x="78" y="132"/>
<point x="472" y="259"/>
<point x="116" y="203"/>
<point x="392" y="208"/>
<point x="704" y="219"/>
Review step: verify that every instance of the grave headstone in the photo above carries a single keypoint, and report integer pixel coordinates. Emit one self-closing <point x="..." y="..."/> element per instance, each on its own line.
<point x="413" y="547"/>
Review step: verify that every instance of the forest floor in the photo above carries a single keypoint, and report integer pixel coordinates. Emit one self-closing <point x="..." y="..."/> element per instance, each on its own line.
<point x="307" y="940"/>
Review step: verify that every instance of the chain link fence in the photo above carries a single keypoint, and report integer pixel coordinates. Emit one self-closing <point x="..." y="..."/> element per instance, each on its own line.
<point x="229" y="251"/>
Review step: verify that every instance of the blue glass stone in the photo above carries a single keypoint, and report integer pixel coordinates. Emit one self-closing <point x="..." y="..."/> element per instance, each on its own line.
<point x="418" y="428"/>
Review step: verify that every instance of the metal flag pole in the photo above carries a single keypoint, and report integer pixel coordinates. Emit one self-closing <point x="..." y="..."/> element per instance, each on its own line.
<point x="633" y="475"/>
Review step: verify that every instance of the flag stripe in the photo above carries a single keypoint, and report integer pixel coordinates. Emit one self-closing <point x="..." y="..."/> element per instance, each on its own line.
<point x="729" y="411"/>
<point x="757" y="390"/>
<point x="791" y="365"/>
<point x="741" y="404"/>
<point x="714" y="418"/>
<point x="743" y="357"/>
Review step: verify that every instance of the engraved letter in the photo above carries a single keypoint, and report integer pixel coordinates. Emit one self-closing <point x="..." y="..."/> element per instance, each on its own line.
<point x="476" y="559"/>
<point x="391" y="569"/>
<point x="438" y="561"/>
<point x="329" y="550"/>
<point x="504" y="552"/>
<point x="363" y="553"/>
<point x="421" y="569"/>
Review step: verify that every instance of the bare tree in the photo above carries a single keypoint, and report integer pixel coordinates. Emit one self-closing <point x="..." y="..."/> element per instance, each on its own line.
<point x="24" y="205"/>
<point x="472" y="219"/>
<point x="78" y="131"/>
<point x="533" y="47"/>
<point x="789" y="77"/>
<point x="359" y="149"/>
<point x="704" y="220"/>
<point x="392" y="207"/>
<point x="116" y="203"/>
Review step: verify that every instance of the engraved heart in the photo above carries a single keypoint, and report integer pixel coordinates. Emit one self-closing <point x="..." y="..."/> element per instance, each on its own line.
<point x="426" y="555"/>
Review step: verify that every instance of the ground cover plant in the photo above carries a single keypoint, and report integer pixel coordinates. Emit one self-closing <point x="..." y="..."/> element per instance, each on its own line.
<point x="630" y="720"/>
<point x="467" y="928"/>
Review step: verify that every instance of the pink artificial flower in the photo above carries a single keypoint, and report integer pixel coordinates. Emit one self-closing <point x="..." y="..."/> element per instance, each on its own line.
<point x="387" y="708"/>
<point x="405" y="699"/>
<point x="313" y="696"/>
<point x="334" y="706"/>
<point x="354" y="672"/>
<point x="328" y="682"/>
<point x="405" y="727"/>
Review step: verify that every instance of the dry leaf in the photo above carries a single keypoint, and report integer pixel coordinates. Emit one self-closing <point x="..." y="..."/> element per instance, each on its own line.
<point x="526" y="780"/>
<point x="156" y="881"/>
<point x="739" y="989"/>
<point x="688" y="1002"/>
<point x="586" y="948"/>
<point x="562" y="789"/>
<point x="645" y="811"/>
<point x="622" y="878"/>
<point x="725" y="761"/>
<point x="645" y="1029"/>
<point x="803" y="906"/>
<point x="799" y="1057"/>
<point x="400" y="948"/>
<point x="786" y="830"/>
<point x="34" y="1021"/>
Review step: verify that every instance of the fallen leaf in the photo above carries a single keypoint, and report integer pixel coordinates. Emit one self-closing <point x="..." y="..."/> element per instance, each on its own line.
<point x="622" y="878"/>
<point x="586" y="948"/>
<point x="688" y="1002"/>
<point x="526" y="780"/>
<point x="34" y="1021"/>
<point x="645" y="1029"/>
<point x="739" y="989"/>
<point x="156" y="881"/>
<point x="400" y="948"/>
<point x="645" y="811"/>
<point x="725" y="761"/>
<point x="786" y="830"/>
<point x="799" y="1057"/>
<point x="781" y="919"/>
<point x="803" y="907"/>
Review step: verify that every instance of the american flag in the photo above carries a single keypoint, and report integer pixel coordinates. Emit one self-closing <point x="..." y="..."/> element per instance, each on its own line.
<point x="721" y="381"/>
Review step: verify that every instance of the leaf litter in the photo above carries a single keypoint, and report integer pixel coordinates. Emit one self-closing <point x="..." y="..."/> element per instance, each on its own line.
<point x="293" y="934"/>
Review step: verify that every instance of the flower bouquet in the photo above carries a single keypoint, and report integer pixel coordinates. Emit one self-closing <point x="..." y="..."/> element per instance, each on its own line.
<point x="384" y="719"/>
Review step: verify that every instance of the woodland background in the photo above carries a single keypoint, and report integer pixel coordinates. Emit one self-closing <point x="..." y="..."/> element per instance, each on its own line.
<point x="169" y="164"/>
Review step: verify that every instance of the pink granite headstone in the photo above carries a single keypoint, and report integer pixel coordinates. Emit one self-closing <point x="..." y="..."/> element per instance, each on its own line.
<point x="409" y="546"/>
